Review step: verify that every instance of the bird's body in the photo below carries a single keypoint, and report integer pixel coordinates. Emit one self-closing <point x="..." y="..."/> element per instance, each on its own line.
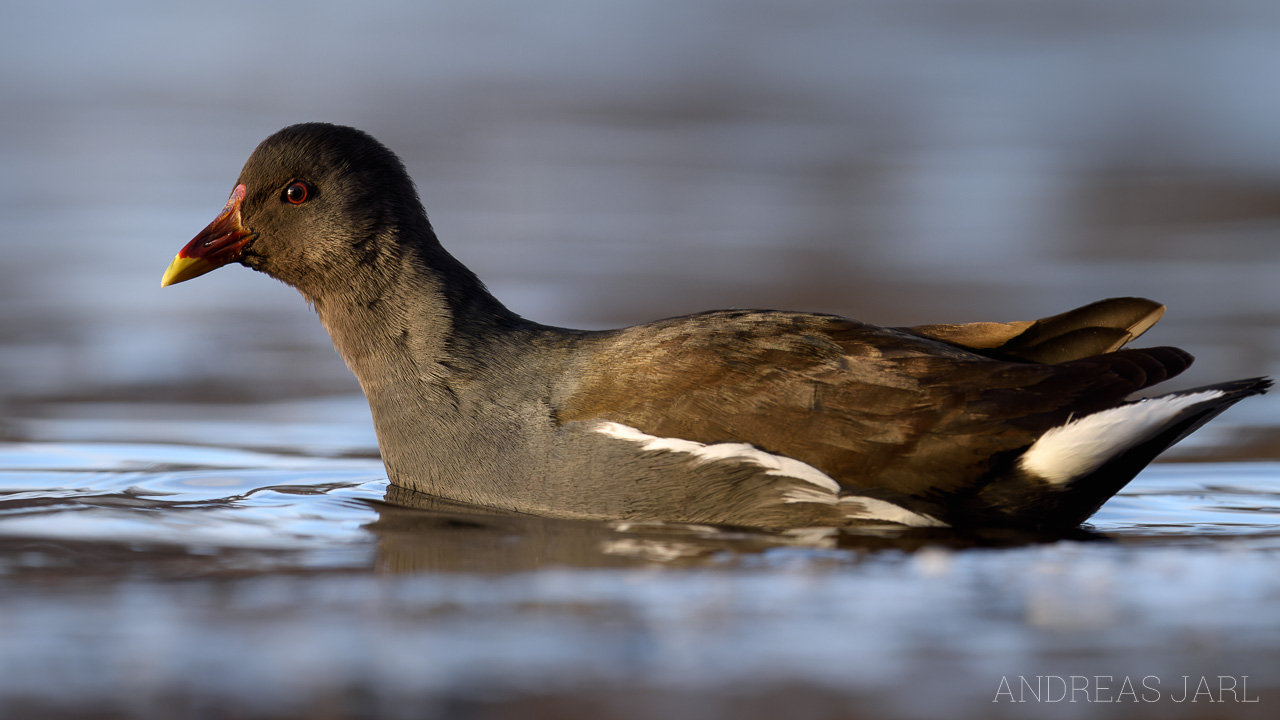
<point x="743" y="417"/>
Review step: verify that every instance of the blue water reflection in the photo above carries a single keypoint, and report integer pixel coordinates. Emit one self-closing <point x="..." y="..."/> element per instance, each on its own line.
<point x="267" y="561"/>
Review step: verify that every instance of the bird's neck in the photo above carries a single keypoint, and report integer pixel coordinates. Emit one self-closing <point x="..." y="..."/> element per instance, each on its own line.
<point x="441" y="362"/>
<point x="414" y="320"/>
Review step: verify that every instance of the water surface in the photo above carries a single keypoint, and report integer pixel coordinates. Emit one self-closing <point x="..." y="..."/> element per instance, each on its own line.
<point x="166" y="578"/>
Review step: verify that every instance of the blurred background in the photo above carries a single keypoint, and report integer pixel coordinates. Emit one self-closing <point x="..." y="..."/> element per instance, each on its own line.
<point x="897" y="162"/>
<point x="601" y="164"/>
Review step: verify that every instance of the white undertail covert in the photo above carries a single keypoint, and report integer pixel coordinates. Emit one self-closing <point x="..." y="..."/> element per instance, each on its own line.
<point x="1083" y="445"/>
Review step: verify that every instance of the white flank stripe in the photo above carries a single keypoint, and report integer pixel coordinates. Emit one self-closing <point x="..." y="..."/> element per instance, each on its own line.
<point x="732" y="452"/>
<point x="1083" y="445"/>
<point x="877" y="509"/>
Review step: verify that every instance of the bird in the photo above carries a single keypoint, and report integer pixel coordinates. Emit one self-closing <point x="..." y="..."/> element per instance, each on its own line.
<point x="744" y="418"/>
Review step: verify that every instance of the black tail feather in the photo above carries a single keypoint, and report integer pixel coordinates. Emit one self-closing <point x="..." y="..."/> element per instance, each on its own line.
<point x="1022" y="500"/>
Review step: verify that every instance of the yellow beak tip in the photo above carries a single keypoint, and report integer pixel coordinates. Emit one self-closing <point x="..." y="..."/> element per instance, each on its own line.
<point x="185" y="268"/>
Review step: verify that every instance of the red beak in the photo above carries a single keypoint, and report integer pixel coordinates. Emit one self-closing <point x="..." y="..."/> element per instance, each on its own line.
<point x="222" y="242"/>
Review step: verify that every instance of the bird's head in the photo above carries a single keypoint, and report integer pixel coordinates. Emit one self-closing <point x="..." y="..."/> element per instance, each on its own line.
<point x="316" y="206"/>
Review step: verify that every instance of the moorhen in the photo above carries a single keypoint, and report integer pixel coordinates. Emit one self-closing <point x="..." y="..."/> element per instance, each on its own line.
<point x="740" y="417"/>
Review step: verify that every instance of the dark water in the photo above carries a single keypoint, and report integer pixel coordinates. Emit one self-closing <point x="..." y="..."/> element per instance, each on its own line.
<point x="193" y="519"/>
<point x="161" y="579"/>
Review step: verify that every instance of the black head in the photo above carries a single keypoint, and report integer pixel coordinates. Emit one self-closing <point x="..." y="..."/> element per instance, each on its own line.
<point x="316" y="206"/>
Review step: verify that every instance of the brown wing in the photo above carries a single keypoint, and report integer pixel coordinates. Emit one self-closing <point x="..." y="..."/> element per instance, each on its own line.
<point x="1101" y="327"/>
<point x="870" y="406"/>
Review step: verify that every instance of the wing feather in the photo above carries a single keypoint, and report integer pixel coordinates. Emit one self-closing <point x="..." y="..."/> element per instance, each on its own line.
<point x="899" y="410"/>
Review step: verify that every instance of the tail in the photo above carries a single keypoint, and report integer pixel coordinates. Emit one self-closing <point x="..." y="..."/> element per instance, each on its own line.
<point x="1071" y="470"/>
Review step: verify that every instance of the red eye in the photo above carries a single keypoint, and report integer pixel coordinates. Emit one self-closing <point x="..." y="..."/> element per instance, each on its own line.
<point x="297" y="193"/>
